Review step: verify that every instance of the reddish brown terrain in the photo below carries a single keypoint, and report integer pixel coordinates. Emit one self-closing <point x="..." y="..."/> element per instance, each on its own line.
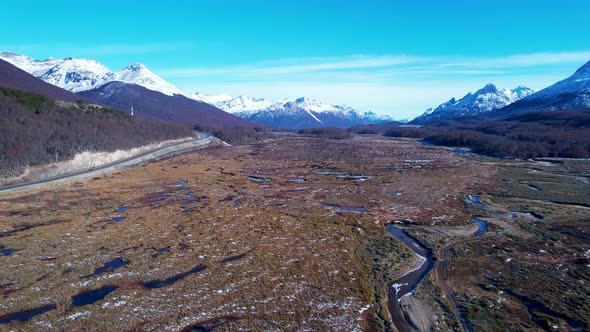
<point x="286" y="234"/>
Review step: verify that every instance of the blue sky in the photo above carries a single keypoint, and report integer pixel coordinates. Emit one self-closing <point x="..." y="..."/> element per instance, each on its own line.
<point x="393" y="57"/>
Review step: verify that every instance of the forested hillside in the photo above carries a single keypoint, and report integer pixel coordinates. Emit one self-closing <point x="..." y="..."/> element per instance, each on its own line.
<point x="36" y="130"/>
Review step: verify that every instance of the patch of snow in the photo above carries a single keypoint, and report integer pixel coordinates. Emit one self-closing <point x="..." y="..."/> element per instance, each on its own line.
<point x="78" y="314"/>
<point x="397" y="287"/>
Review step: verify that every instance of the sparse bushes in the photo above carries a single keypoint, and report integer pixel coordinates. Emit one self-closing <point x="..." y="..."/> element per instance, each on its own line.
<point x="326" y="132"/>
<point x="379" y="128"/>
<point x="237" y="135"/>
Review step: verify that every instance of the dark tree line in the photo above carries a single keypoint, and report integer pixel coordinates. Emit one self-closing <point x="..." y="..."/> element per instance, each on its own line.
<point x="537" y="134"/>
<point x="36" y="130"/>
<point x="326" y="132"/>
<point x="238" y="135"/>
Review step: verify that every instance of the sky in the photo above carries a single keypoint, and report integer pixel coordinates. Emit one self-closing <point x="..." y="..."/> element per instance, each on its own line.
<point x="392" y="57"/>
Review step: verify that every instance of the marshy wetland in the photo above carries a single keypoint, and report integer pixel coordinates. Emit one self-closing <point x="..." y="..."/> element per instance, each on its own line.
<point x="299" y="233"/>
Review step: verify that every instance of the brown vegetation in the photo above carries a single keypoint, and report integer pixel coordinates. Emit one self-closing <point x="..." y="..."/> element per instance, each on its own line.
<point x="325" y="132"/>
<point x="313" y="267"/>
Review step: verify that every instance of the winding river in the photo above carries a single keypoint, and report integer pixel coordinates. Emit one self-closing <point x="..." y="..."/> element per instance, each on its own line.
<point x="407" y="284"/>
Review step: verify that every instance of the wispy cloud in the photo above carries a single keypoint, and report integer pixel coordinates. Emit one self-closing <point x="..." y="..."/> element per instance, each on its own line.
<point x="383" y="65"/>
<point x="519" y="60"/>
<point x="297" y="66"/>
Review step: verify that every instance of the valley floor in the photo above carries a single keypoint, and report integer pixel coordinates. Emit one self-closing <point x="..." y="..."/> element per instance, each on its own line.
<point x="290" y="234"/>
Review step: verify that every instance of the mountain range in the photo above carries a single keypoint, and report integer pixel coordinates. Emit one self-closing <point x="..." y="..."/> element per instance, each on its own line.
<point x="135" y="85"/>
<point x="94" y="81"/>
<point x="296" y="114"/>
<point x="77" y="75"/>
<point x="490" y="101"/>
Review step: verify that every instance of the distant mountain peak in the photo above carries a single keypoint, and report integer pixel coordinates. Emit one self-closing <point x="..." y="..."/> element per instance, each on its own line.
<point x="488" y="88"/>
<point x="488" y="98"/>
<point x="136" y="67"/>
<point x="304" y="100"/>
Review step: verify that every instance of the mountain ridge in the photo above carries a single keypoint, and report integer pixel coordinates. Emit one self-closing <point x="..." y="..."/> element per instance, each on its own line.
<point x="157" y="105"/>
<point x="15" y="78"/>
<point x="303" y="112"/>
<point x="572" y="92"/>
<point x="77" y="75"/>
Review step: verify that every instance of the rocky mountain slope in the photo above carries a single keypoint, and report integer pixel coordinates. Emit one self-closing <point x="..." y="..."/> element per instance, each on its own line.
<point x="570" y="93"/>
<point x="157" y="105"/>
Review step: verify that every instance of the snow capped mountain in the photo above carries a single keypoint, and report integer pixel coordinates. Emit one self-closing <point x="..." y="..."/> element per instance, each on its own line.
<point x="84" y="74"/>
<point x="141" y="75"/>
<point x="77" y="74"/>
<point x="570" y="93"/>
<point x="242" y="104"/>
<point x="487" y="99"/>
<point x="210" y="99"/>
<point x="300" y="113"/>
<point x="30" y="65"/>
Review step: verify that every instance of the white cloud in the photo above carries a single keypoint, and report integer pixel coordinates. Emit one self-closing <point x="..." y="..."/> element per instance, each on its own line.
<point x="383" y="65"/>
<point x="296" y="66"/>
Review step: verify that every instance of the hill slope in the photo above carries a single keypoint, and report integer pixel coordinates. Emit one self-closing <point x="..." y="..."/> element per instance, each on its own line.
<point x="14" y="78"/>
<point x="156" y="105"/>
<point x="77" y="75"/>
<point x="570" y="93"/>
<point x="36" y="130"/>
